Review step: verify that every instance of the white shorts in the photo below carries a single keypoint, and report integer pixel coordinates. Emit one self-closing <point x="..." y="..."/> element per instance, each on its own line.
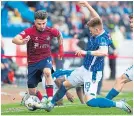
<point x="82" y="76"/>
<point x="129" y="73"/>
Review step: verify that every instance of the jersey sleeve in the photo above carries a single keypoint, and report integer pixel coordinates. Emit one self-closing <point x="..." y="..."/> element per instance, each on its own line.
<point x="103" y="42"/>
<point x="55" y="32"/>
<point x="25" y="33"/>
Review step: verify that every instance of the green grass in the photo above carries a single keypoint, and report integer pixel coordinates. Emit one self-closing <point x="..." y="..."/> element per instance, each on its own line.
<point x="68" y="109"/>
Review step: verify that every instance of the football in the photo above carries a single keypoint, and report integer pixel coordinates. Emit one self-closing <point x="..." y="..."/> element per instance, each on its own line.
<point x="31" y="101"/>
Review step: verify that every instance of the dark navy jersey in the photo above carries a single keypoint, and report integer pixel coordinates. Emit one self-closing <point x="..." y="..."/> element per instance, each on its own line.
<point x="96" y="63"/>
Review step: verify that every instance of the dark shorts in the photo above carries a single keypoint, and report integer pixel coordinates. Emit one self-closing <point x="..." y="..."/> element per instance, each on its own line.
<point x="35" y="71"/>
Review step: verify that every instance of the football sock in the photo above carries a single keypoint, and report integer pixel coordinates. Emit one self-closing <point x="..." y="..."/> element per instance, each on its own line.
<point x="112" y="93"/>
<point x="39" y="95"/>
<point x="49" y="90"/>
<point x="59" y="94"/>
<point x="101" y="102"/>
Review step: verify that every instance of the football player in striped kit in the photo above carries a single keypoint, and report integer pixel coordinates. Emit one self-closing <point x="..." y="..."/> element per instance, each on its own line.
<point x="90" y="72"/>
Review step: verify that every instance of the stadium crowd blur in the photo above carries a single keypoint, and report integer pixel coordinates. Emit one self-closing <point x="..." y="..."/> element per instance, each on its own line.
<point x="68" y="17"/>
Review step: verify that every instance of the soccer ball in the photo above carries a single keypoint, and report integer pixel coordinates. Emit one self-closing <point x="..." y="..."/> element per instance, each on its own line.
<point x="31" y="101"/>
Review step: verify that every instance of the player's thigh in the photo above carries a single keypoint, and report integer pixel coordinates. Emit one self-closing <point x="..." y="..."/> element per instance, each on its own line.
<point x="90" y="86"/>
<point x="76" y="77"/>
<point x="45" y="64"/>
<point x="47" y="72"/>
<point x="34" y="77"/>
<point x="129" y="73"/>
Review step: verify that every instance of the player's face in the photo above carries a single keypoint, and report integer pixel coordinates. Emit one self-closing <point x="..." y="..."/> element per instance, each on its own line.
<point x="40" y="24"/>
<point x="93" y="31"/>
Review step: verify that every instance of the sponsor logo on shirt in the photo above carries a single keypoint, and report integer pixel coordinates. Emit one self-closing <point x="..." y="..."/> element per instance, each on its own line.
<point x="49" y="61"/>
<point x="48" y="38"/>
<point x="36" y="38"/>
<point x="23" y="32"/>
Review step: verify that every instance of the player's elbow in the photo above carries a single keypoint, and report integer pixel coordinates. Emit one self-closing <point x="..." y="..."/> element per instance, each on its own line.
<point x="13" y="40"/>
<point x="104" y="53"/>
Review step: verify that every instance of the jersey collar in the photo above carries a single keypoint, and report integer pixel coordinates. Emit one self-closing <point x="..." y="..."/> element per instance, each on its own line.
<point x="100" y="34"/>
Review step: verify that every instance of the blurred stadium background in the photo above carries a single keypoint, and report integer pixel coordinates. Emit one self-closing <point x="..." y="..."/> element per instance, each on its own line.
<point x="70" y="19"/>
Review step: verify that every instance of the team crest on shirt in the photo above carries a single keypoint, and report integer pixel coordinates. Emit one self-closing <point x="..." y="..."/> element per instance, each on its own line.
<point x="48" y="38"/>
<point x="23" y="32"/>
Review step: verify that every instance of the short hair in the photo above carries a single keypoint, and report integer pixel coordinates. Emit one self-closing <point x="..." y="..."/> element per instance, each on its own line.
<point x="96" y="21"/>
<point x="40" y="14"/>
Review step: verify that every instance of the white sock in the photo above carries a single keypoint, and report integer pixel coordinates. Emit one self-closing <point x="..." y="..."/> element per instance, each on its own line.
<point x="118" y="104"/>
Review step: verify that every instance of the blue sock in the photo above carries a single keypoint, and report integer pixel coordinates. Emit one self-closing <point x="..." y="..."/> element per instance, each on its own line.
<point x="59" y="94"/>
<point x="112" y="93"/>
<point x="101" y="102"/>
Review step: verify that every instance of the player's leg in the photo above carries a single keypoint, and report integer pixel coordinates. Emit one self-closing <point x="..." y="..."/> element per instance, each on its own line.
<point x="57" y="84"/>
<point x="34" y="77"/>
<point x="90" y="89"/>
<point x="80" y="94"/>
<point x="46" y="64"/>
<point x="120" y="82"/>
<point x="49" y="82"/>
<point x="69" y="96"/>
<point x="73" y="80"/>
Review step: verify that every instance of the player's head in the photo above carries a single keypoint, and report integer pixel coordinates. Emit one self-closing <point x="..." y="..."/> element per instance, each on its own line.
<point x="131" y="21"/>
<point x="95" y="26"/>
<point x="40" y="21"/>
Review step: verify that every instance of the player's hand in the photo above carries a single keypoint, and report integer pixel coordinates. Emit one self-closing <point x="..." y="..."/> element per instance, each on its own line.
<point x="83" y="3"/>
<point x="26" y="39"/>
<point x="80" y="52"/>
<point x="70" y="97"/>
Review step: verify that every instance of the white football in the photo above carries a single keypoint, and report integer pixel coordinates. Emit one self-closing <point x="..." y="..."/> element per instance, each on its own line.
<point x="31" y="101"/>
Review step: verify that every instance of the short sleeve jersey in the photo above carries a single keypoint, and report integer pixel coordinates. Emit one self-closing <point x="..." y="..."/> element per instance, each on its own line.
<point x="38" y="46"/>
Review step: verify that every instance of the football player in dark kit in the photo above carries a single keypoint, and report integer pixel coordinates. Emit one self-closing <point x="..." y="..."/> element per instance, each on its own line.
<point x="38" y="38"/>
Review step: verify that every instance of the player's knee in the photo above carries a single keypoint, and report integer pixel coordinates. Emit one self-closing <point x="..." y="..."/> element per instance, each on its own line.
<point x="59" y="81"/>
<point x="47" y="73"/>
<point x="67" y="85"/>
<point x="32" y="91"/>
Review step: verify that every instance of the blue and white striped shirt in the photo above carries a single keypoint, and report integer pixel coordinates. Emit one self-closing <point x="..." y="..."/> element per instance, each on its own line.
<point x="96" y="63"/>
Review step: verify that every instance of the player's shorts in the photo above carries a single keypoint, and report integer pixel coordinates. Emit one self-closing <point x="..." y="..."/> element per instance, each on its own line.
<point x="82" y="76"/>
<point x="35" y="71"/>
<point x="129" y="73"/>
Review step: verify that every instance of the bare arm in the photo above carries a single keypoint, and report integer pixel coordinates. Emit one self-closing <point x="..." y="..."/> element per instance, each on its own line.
<point x="80" y="94"/>
<point x="89" y="7"/>
<point x="102" y="51"/>
<point x="18" y="40"/>
<point x="60" y="41"/>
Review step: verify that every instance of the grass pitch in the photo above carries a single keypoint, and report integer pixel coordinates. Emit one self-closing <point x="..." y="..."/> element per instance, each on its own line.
<point x="69" y="108"/>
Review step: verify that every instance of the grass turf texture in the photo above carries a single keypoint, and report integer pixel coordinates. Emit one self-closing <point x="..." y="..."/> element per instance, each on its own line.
<point x="69" y="108"/>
